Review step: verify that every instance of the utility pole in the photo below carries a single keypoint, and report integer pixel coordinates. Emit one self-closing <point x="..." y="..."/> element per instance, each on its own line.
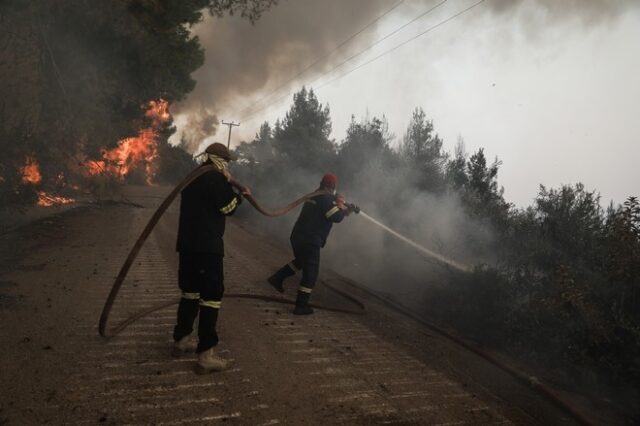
<point x="231" y="125"/>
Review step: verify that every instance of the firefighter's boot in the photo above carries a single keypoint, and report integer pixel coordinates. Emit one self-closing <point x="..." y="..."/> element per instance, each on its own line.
<point x="208" y="361"/>
<point x="302" y="304"/>
<point x="183" y="346"/>
<point x="276" y="280"/>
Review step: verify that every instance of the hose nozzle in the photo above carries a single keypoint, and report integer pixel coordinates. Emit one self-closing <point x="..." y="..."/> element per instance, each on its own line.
<point x="353" y="208"/>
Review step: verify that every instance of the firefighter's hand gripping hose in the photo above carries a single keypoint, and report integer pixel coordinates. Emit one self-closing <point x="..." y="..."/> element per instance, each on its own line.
<point x="124" y="270"/>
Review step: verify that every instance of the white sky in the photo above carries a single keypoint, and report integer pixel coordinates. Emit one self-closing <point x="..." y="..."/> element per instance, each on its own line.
<point x="560" y="104"/>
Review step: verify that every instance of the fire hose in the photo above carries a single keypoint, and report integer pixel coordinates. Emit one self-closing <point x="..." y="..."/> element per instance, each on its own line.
<point x="135" y="250"/>
<point x="542" y="389"/>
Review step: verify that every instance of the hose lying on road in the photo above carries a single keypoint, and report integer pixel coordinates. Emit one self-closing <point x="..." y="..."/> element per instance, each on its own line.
<point x="124" y="270"/>
<point x="135" y="317"/>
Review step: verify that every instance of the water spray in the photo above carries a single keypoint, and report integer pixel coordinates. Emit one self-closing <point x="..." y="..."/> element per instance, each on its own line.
<point x="423" y="250"/>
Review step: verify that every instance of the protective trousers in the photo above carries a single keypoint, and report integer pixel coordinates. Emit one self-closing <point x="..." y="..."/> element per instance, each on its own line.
<point x="307" y="259"/>
<point x="201" y="279"/>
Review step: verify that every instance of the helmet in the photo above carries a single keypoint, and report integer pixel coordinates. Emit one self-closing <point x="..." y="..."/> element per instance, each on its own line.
<point x="329" y="180"/>
<point x="221" y="151"/>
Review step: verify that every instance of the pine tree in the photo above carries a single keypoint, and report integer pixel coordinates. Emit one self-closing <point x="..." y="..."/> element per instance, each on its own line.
<point x="482" y="195"/>
<point x="456" y="170"/>
<point x="260" y="149"/>
<point x="483" y="179"/>
<point x="422" y="150"/>
<point x="303" y="136"/>
<point x="366" y="142"/>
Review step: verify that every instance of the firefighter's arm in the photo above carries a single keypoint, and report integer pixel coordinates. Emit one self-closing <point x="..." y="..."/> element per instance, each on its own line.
<point x="332" y="211"/>
<point x="226" y="199"/>
<point x="341" y="203"/>
<point x="347" y="208"/>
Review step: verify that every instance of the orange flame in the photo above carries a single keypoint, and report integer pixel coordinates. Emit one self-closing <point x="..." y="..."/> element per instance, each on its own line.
<point x="48" y="200"/>
<point x="31" y="172"/>
<point x="158" y="111"/>
<point x="135" y="152"/>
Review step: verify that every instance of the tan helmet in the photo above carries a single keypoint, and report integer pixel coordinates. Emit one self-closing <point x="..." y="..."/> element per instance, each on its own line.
<point x="221" y="151"/>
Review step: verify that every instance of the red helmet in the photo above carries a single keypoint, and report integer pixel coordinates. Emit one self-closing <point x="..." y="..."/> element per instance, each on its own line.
<point x="329" y="180"/>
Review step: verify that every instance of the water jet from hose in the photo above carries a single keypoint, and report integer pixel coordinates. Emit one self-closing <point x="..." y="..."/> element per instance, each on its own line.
<point x="423" y="250"/>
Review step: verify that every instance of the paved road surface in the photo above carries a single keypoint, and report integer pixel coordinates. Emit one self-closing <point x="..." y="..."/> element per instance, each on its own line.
<point x="330" y="368"/>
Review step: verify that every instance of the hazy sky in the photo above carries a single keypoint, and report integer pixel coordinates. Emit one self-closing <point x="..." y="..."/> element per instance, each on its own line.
<point x="554" y="93"/>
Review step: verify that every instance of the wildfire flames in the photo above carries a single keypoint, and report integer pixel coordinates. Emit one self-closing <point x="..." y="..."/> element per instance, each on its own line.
<point x="48" y="200"/>
<point x="31" y="172"/>
<point x="31" y="176"/>
<point x="136" y="152"/>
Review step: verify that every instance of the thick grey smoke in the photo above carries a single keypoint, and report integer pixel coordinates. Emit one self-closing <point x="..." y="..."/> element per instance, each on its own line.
<point x="195" y="126"/>
<point x="589" y="12"/>
<point x="244" y="62"/>
<point x="535" y="18"/>
<point x="440" y="223"/>
<point x="361" y="251"/>
<point x="243" y="59"/>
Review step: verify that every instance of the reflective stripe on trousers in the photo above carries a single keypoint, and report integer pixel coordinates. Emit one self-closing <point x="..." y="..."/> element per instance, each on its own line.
<point x="215" y="304"/>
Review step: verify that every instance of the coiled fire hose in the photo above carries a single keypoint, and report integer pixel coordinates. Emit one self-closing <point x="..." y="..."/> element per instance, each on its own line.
<point x="124" y="270"/>
<point x="534" y="383"/>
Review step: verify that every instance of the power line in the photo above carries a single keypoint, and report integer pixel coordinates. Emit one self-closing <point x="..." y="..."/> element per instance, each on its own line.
<point x="428" y="30"/>
<point x="380" y="40"/>
<point x="320" y="58"/>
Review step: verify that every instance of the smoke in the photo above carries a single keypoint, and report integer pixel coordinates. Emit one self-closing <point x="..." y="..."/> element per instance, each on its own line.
<point x="245" y="61"/>
<point x="196" y="126"/>
<point x="364" y="252"/>
<point x="588" y="12"/>
<point x="383" y="185"/>
<point x="535" y="19"/>
<point x="439" y="222"/>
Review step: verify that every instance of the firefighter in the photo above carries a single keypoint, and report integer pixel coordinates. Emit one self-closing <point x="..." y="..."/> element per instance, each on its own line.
<point x="308" y="236"/>
<point x="204" y="205"/>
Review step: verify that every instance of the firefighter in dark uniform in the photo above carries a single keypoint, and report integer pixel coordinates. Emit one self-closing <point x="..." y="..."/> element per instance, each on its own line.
<point x="204" y="205"/>
<point x="308" y="236"/>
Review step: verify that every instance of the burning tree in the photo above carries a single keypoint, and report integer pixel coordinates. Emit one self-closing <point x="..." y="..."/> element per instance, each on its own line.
<point x="135" y="156"/>
<point x="74" y="79"/>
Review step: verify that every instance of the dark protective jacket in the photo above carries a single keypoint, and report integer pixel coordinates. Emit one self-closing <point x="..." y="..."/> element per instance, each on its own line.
<point x="316" y="219"/>
<point x="203" y="206"/>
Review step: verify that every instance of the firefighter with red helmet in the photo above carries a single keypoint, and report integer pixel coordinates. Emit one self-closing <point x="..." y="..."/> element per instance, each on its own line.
<point x="308" y="236"/>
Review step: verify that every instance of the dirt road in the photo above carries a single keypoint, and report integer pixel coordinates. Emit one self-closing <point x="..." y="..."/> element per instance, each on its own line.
<point x="329" y="368"/>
